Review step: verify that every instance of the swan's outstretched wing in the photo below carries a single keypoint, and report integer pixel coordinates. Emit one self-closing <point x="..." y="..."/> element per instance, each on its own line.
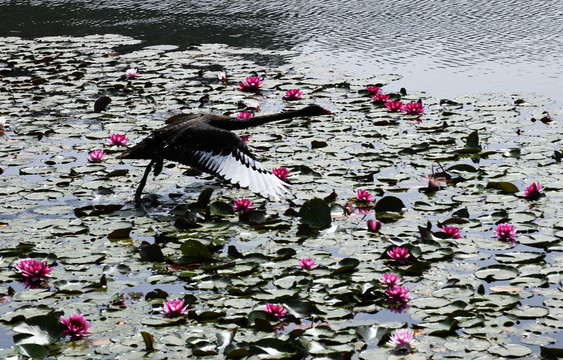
<point x="221" y="153"/>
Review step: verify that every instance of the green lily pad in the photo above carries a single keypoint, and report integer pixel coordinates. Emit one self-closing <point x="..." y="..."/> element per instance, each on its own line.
<point x="497" y="272"/>
<point x="519" y="257"/>
<point x="503" y="186"/>
<point x="511" y="351"/>
<point x="315" y="213"/>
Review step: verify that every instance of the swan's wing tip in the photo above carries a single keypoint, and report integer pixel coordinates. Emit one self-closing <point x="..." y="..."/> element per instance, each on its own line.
<point x="242" y="170"/>
<point x="278" y="192"/>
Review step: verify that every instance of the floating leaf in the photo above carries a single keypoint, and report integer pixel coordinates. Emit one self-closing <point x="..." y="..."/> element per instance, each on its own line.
<point x="253" y="217"/>
<point x="102" y="103"/>
<point x="497" y="272"/>
<point x="345" y="265"/>
<point x="195" y="249"/>
<point x="302" y="309"/>
<point x="503" y="186"/>
<point x="122" y="233"/>
<point x="95" y="210"/>
<point x="204" y="197"/>
<point x="221" y="209"/>
<point x="151" y="252"/>
<point x="39" y="330"/>
<point x="315" y="213"/>
<point x="519" y="257"/>
<point x="530" y="312"/>
<point x="389" y="204"/>
<point x="512" y="350"/>
<point x="551" y="352"/>
<point x="149" y="340"/>
<point x="33" y="351"/>
<point x="440" y="327"/>
<point x="372" y="335"/>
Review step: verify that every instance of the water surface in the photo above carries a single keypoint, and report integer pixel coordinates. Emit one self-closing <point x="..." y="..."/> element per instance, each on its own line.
<point x="447" y="48"/>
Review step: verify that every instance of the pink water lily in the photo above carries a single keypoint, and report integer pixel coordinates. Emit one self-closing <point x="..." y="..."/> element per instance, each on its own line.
<point x="34" y="270"/>
<point x="394" y="105"/>
<point x="400" y="255"/>
<point x="117" y="139"/>
<point x="413" y="108"/>
<point x="245" y="138"/>
<point x="373" y="225"/>
<point x="506" y="232"/>
<point x="278" y="311"/>
<point x="243" y="205"/>
<point x="293" y="94"/>
<point x="390" y="279"/>
<point x="76" y="326"/>
<point x="282" y="173"/>
<point x="451" y="230"/>
<point x="364" y="196"/>
<point x="373" y="90"/>
<point x="307" y="264"/>
<point x="251" y="84"/>
<point x="244" y="115"/>
<point x="402" y="339"/>
<point x="380" y="97"/>
<point x="96" y="156"/>
<point x="173" y="308"/>
<point x="132" y="73"/>
<point x="222" y="77"/>
<point x="397" y="294"/>
<point x="533" y="191"/>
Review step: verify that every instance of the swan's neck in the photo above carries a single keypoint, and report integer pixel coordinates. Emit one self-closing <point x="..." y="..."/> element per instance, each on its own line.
<point x="236" y="124"/>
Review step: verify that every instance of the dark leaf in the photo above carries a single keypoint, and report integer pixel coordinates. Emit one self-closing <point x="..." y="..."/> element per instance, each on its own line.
<point x="101" y="104"/>
<point x="95" y="210"/>
<point x="204" y="197"/>
<point x="151" y="252"/>
<point x="253" y="217"/>
<point x="120" y="233"/>
<point x="318" y="144"/>
<point x="346" y="265"/>
<point x="32" y="351"/>
<point x="551" y="352"/>
<point x="302" y="308"/>
<point x="185" y="223"/>
<point x="195" y="249"/>
<point x="315" y="213"/>
<point x="39" y="330"/>
<point x="149" y="341"/>
<point x="389" y="203"/>
<point x="461" y="213"/>
<point x="473" y="141"/>
<point x="503" y="186"/>
<point x="372" y="335"/>
<point x="221" y="208"/>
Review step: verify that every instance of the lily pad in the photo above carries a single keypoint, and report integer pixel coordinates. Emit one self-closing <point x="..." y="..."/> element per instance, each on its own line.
<point x="497" y="272"/>
<point x="315" y="213"/>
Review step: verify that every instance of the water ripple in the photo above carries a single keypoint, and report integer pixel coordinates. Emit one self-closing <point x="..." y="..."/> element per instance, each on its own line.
<point x="457" y="35"/>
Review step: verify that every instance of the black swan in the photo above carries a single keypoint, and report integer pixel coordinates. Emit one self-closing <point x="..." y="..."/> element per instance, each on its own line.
<point x="205" y="142"/>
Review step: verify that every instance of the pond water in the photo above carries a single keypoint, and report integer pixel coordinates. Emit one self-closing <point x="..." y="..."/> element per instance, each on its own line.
<point x="468" y="295"/>
<point x="446" y="48"/>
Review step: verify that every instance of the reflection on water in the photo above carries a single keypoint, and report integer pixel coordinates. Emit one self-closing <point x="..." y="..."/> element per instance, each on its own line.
<point x="448" y="48"/>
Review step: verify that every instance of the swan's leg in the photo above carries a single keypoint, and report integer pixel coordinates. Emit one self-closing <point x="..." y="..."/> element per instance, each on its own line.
<point x="143" y="182"/>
